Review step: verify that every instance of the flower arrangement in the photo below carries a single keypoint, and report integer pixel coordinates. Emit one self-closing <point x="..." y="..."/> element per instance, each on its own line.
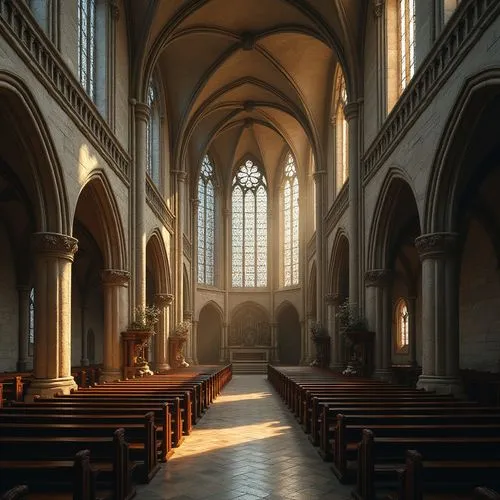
<point x="182" y="330"/>
<point x="145" y="317"/>
<point x="318" y="330"/>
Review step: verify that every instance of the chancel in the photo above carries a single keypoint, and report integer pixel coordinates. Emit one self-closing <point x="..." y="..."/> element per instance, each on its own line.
<point x="279" y="215"/>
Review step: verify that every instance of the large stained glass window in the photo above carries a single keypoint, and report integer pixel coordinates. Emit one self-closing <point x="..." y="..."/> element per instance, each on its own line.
<point x="341" y="130"/>
<point x="87" y="46"/>
<point x="153" y="134"/>
<point x="406" y="12"/>
<point x="249" y="227"/>
<point x="206" y="223"/>
<point x="290" y="223"/>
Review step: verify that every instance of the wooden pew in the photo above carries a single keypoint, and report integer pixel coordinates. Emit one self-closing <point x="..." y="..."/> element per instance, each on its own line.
<point x="382" y="459"/>
<point x="15" y="493"/>
<point x="141" y="435"/>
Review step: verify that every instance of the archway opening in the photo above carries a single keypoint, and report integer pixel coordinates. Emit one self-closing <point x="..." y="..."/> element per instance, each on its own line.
<point x="209" y="335"/>
<point x="289" y="351"/>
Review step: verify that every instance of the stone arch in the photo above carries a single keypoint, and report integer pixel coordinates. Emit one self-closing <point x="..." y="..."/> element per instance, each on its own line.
<point x="451" y="171"/>
<point x="395" y="187"/>
<point x="338" y="271"/>
<point x="111" y="235"/>
<point x="156" y="256"/>
<point x="249" y="325"/>
<point x="209" y="333"/>
<point x="43" y="176"/>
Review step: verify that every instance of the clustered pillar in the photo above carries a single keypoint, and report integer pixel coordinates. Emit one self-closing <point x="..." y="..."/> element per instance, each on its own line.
<point x="163" y="302"/>
<point x="440" y="334"/>
<point x="54" y="254"/>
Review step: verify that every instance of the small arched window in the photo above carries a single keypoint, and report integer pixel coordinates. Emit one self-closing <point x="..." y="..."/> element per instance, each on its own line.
<point x="290" y="223"/>
<point x="153" y="134"/>
<point x="249" y="227"/>
<point x="206" y="223"/>
<point x="402" y="325"/>
<point x="341" y="133"/>
<point x="406" y="23"/>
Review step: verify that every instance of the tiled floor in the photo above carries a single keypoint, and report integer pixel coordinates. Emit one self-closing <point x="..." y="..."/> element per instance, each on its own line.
<point x="247" y="446"/>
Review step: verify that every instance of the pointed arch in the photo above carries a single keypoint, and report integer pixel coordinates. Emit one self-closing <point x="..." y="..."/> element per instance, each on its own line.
<point x="156" y="253"/>
<point x="282" y="306"/>
<point x="215" y="306"/>
<point x="49" y="196"/>
<point x="111" y="236"/>
<point x="338" y="269"/>
<point x="395" y="183"/>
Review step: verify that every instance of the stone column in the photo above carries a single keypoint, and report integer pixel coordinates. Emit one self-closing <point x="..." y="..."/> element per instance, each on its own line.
<point x="84" y="361"/>
<point x="304" y="342"/>
<point x="351" y="113"/>
<point x="333" y="300"/>
<point x="380" y="29"/>
<point x="412" y="330"/>
<point x="23" y="327"/>
<point x="142" y="113"/>
<point x="194" y="335"/>
<point x="275" y="358"/>
<point x="319" y="181"/>
<point x="115" y="284"/>
<point x="188" y="346"/>
<point x="380" y="280"/>
<point x="180" y="177"/>
<point x="53" y="254"/>
<point x="162" y="301"/>
<point x="224" y="351"/>
<point x="440" y="347"/>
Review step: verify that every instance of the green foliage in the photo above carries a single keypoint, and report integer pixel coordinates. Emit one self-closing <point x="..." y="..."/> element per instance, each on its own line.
<point x="145" y="317"/>
<point x="349" y="317"/>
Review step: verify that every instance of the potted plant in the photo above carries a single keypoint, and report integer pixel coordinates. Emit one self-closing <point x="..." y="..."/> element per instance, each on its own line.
<point x="177" y="341"/>
<point x="321" y="339"/>
<point x="145" y="317"/>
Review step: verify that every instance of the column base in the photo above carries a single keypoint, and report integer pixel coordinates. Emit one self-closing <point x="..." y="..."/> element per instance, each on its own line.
<point x="84" y="362"/>
<point x="441" y="385"/>
<point x="162" y="368"/>
<point x="110" y="375"/>
<point x="50" y="387"/>
<point x="383" y="374"/>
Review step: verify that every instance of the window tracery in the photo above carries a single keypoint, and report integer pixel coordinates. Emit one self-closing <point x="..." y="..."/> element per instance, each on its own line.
<point x="249" y="227"/>
<point x="406" y="18"/>
<point x="402" y="325"/>
<point x="290" y="223"/>
<point x="342" y="133"/>
<point x="206" y="223"/>
<point x="87" y="46"/>
<point x="153" y="134"/>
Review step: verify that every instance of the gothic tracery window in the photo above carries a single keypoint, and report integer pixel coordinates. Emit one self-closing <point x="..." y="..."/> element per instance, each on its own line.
<point x="341" y="131"/>
<point x="31" y="321"/>
<point x="406" y="19"/>
<point x="402" y="325"/>
<point x="249" y="227"/>
<point x="290" y="223"/>
<point x="87" y="46"/>
<point x="206" y="223"/>
<point x="153" y="134"/>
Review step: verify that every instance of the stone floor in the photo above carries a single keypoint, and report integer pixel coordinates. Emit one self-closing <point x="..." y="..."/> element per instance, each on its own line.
<point x="247" y="446"/>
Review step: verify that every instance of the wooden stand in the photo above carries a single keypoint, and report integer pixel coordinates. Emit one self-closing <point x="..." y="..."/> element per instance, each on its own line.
<point x="175" y="354"/>
<point x="133" y="353"/>
<point x="359" y="345"/>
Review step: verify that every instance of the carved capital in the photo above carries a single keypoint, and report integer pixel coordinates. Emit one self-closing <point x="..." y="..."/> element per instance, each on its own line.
<point x="163" y="299"/>
<point x="226" y="212"/>
<point x="59" y="245"/>
<point x="318" y="175"/>
<point x="378" y="277"/>
<point x="437" y="245"/>
<point x="351" y="110"/>
<point x="196" y="203"/>
<point x="333" y="299"/>
<point x="180" y="175"/>
<point x="142" y="111"/>
<point x="378" y="7"/>
<point x="115" y="277"/>
<point x="188" y="315"/>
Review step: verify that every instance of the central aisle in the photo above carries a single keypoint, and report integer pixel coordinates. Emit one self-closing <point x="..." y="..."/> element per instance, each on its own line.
<point x="247" y="446"/>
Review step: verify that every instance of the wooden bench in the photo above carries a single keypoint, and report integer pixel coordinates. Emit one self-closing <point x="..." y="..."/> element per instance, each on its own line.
<point x="15" y="493"/>
<point x="382" y="458"/>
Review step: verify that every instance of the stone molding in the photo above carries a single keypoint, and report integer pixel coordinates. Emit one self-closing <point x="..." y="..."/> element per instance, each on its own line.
<point x="351" y="111"/>
<point x="467" y="25"/>
<point x="142" y="111"/>
<point x="158" y="205"/>
<point x="60" y="245"/>
<point x="114" y="9"/>
<point x="437" y="245"/>
<point x="115" y="277"/>
<point x="317" y="176"/>
<point x="333" y="299"/>
<point x="31" y="44"/>
<point x="378" y="278"/>
<point x="163" y="299"/>
<point x="180" y="175"/>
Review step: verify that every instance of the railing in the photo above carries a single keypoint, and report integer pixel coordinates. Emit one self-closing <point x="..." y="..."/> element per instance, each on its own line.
<point x="468" y="23"/>
<point x="19" y="28"/>
<point x="157" y="204"/>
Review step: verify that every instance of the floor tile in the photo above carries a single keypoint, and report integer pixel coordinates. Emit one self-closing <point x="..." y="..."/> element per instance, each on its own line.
<point x="247" y="446"/>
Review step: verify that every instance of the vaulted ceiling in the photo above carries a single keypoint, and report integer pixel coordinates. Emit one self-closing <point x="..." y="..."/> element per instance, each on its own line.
<point x="247" y="76"/>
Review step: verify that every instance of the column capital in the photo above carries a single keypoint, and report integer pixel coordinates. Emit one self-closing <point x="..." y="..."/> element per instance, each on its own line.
<point x="378" y="7"/>
<point x="378" y="277"/>
<point x="226" y="212"/>
<point x="195" y="202"/>
<point x="163" y="299"/>
<point x="333" y="299"/>
<point x="318" y="174"/>
<point x="58" y="245"/>
<point x="188" y="315"/>
<point x="437" y="245"/>
<point x="351" y="110"/>
<point x="180" y="175"/>
<point x="115" y="277"/>
<point x="142" y="110"/>
<point x="114" y="9"/>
